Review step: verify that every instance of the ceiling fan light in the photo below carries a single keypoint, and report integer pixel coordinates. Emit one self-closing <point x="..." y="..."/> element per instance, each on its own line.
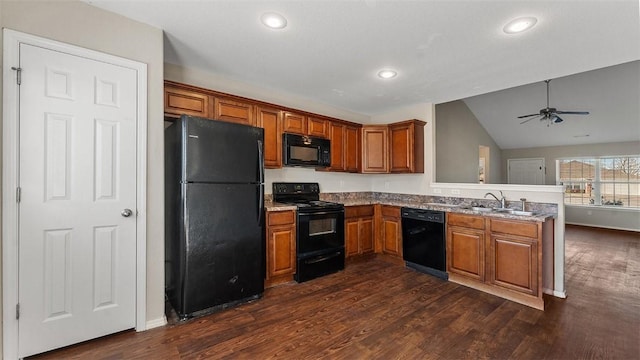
<point x="556" y="119"/>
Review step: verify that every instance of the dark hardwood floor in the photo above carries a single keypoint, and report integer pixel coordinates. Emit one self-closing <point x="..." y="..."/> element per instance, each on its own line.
<point x="379" y="310"/>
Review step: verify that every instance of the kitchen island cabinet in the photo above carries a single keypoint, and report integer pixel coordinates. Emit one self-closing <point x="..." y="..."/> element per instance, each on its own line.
<point x="359" y="230"/>
<point x="466" y="246"/>
<point x="500" y="256"/>
<point x="281" y="247"/>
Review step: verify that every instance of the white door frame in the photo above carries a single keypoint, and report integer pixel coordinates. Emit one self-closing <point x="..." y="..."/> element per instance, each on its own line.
<point x="10" y="180"/>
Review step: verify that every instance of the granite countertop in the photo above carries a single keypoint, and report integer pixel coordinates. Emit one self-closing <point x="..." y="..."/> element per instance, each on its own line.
<point x="276" y="206"/>
<point x="541" y="217"/>
<point x="541" y="212"/>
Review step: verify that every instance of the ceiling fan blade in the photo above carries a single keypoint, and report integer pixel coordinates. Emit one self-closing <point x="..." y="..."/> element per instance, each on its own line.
<point x="573" y="112"/>
<point x="525" y="116"/>
<point x="531" y="118"/>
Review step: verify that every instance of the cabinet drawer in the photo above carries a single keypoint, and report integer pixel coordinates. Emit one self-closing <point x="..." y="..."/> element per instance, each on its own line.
<point x="358" y="211"/>
<point x="468" y="221"/>
<point x="514" y="227"/>
<point x="392" y="211"/>
<point x="281" y="217"/>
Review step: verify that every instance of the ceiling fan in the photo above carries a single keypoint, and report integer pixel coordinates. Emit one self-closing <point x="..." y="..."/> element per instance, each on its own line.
<point x="549" y="114"/>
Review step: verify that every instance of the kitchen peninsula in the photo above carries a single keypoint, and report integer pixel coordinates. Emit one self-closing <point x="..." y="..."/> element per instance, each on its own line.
<point x="503" y="254"/>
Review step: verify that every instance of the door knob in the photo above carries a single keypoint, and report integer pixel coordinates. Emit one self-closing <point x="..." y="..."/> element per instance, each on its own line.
<point x="126" y="212"/>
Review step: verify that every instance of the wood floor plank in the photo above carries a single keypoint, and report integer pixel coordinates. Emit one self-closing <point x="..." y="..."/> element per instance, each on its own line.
<point x="376" y="309"/>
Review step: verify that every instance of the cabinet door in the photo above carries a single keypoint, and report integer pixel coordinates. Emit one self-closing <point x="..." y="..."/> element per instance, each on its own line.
<point x="406" y="147"/>
<point x="295" y="123"/>
<point x="466" y="252"/>
<point x="233" y="111"/>
<point x="318" y="127"/>
<point x="178" y="101"/>
<point x="351" y="237"/>
<point x="337" y="146"/>
<point x="281" y="250"/>
<point x="401" y="153"/>
<point x="391" y="236"/>
<point x="514" y="263"/>
<point x="352" y="149"/>
<point x="366" y="227"/>
<point x="271" y="121"/>
<point x="375" y="152"/>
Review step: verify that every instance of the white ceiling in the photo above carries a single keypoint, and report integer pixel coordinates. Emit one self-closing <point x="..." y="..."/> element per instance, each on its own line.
<point x="331" y="51"/>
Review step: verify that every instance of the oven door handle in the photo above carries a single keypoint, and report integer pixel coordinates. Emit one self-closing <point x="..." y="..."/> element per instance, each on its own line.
<point x="320" y="259"/>
<point x="321" y="213"/>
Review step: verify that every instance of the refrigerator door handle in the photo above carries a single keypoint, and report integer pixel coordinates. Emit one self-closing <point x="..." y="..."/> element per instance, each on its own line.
<point x="260" y="203"/>
<point x="260" y="163"/>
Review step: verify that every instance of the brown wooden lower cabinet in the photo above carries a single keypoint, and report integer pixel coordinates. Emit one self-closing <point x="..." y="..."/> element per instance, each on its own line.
<point x="359" y="230"/>
<point x="465" y="252"/>
<point x="391" y="230"/>
<point x="499" y="256"/>
<point x="281" y="247"/>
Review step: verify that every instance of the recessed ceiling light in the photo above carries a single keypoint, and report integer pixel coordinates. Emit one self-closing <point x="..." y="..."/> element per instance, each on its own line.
<point x="519" y="25"/>
<point x="273" y="20"/>
<point x="387" y="74"/>
<point x="579" y="136"/>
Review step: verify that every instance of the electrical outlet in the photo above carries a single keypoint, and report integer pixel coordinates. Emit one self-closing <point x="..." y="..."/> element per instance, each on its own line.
<point x="455" y="192"/>
<point x="386" y="185"/>
<point x="589" y="212"/>
<point x="341" y="183"/>
<point x="437" y="191"/>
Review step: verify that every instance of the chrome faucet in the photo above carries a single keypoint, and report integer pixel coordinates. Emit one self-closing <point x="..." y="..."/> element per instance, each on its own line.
<point x="502" y="201"/>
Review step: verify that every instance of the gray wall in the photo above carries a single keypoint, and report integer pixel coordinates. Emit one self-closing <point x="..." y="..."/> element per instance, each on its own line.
<point x="627" y="219"/>
<point x="80" y="24"/>
<point x="458" y="136"/>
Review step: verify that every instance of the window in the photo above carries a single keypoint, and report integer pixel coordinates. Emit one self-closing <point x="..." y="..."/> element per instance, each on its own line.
<point x="609" y="181"/>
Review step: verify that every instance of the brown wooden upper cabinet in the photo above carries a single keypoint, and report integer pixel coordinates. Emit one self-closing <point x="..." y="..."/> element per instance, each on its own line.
<point x="406" y="146"/>
<point x="233" y="111"/>
<point x="317" y="127"/>
<point x="270" y="119"/>
<point x="375" y="145"/>
<point x="294" y="123"/>
<point x="180" y="100"/>
<point x="352" y="149"/>
<point x="345" y="147"/>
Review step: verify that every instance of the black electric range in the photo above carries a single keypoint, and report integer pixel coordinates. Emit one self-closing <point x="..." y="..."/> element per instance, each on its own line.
<point x="319" y="229"/>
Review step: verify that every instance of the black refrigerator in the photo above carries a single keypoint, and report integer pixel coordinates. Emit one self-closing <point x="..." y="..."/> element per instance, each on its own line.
<point x="214" y="248"/>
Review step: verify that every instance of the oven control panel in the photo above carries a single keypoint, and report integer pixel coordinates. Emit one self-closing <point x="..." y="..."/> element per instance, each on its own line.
<point x="296" y="188"/>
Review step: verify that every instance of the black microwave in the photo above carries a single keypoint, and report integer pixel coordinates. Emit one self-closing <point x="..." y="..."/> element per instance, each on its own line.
<point x="302" y="150"/>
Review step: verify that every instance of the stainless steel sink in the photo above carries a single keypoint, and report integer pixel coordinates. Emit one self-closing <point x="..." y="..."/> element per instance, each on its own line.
<point x="481" y="209"/>
<point x="520" y="212"/>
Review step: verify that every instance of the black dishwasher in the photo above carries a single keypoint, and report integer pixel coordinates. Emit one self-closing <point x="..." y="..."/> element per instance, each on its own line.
<point x="423" y="241"/>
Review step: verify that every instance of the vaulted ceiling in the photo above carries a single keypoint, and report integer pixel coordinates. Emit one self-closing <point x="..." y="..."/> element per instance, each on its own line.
<point x="331" y="51"/>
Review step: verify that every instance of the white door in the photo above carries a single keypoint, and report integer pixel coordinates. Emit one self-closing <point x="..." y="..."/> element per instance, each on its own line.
<point x="526" y="171"/>
<point x="77" y="173"/>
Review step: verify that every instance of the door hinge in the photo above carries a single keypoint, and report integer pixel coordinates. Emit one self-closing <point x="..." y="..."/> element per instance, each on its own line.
<point x="18" y="194"/>
<point x="19" y="70"/>
<point x="18" y="311"/>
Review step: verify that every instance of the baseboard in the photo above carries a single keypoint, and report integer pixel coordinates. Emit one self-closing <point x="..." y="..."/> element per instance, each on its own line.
<point x="156" y="322"/>
<point x="560" y="294"/>
<point x="602" y="226"/>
